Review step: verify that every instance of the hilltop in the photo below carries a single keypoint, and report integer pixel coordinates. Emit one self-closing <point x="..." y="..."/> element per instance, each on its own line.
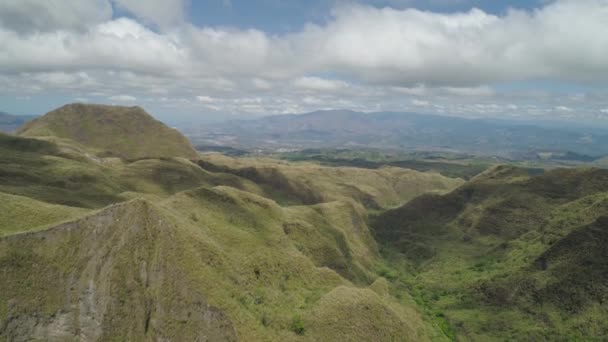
<point x="126" y="132"/>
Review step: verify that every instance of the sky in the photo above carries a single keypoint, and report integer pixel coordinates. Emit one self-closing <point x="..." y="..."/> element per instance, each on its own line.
<point x="184" y="60"/>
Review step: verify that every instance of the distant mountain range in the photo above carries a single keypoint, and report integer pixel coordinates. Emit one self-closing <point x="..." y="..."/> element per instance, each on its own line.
<point x="348" y="129"/>
<point x="9" y="122"/>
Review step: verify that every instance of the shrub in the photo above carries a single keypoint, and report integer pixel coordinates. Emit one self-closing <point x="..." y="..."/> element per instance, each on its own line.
<point x="297" y="325"/>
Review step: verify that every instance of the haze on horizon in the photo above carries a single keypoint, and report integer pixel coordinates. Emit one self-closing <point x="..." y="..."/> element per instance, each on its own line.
<point x="536" y="60"/>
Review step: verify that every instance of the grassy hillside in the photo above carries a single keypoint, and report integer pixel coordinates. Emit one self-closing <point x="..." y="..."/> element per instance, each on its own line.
<point x="308" y="183"/>
<point x="126" y="132"/>
<point x="509" y="254"/>
<point x="167" y="249"/>
<point x="96" y="247"/>
<point x="19" y="214"/>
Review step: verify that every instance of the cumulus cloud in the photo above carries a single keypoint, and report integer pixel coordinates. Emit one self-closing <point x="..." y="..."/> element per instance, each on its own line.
<point x="561" y="41"/>
<point x="378" y="58"/>
<point x="420" y="103"/>
<point x="319" y="84"/>
<point x="123" y="98"/>
<point x="205" y="99"/>
<point x="29" y="16"/>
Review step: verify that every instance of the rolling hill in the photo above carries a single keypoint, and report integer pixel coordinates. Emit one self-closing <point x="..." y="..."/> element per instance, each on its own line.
<point x="213" y="248"/>
<point x="510" y="253"/>
<point x="126" y="132"/>
<point x="97" y="247"/>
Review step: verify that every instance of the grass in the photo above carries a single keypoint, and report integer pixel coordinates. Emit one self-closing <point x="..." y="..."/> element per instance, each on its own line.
<point x="19" y="214"/>
<point x="262" y="249"/>
<point x="512" y="255"/>
<point x="126" y="132"/>
<point x="247" y="267"/>
<point x="307" y="183"/>
<point x="449" y="165"/>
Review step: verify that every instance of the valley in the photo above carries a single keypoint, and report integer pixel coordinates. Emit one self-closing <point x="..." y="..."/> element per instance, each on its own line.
<point x="153" y="240"/>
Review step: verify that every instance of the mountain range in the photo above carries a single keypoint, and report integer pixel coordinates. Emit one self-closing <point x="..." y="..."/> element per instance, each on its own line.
<point x="106" y="237"/>
<point x="9" y="123"/>
<point x="403" y="131"/>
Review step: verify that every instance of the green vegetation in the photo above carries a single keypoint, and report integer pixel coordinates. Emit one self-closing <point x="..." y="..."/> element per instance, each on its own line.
<point x="19" y="213"/>
<point x="126" y="132"/>
<point x="508" y="255"/>
<point x="447" y="164"/>
<point x="99" y="247"/>
<point x="104" y="248"/>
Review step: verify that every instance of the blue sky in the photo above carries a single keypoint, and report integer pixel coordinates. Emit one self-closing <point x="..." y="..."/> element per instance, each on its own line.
<point x="201" y="60"/>
<point x="290" y="15"/>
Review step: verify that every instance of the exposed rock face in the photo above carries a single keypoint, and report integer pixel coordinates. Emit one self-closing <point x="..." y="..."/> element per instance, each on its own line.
<point x="112" y="275"/>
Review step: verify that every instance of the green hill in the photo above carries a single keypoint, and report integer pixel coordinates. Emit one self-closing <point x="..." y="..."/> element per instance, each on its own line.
<point x="106" y="248"/>
<point x="99" y="247"/>
<point x="126" y="132"/>
<point x="509" y="253"/>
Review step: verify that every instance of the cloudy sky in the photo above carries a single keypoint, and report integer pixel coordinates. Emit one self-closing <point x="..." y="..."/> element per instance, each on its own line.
<point x="216" y="58"/>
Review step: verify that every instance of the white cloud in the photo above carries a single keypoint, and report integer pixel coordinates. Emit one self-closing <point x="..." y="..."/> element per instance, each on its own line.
<point x="381" y="46"/>
<point x="420" y="103"/>
<point x="563" y="109"/>
<point x="378" y="58"/>
<point x="30" y="16"/>
<point x="261" y="84"/>
<point x="123" y="98"/>
<point x="318" y="84"/>
<point x="205" y="99"/>
<point x="470" y="91"/>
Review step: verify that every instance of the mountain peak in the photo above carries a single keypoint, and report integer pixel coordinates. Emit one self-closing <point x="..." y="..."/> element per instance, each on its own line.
<point x="127" y="132"/>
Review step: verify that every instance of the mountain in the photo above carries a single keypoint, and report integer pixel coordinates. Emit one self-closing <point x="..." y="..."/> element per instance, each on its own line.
<point x="9" y="123"/>
<point x="348" y="129"/>
<point x="126" y="132"/>
<point x="215" y="249"/>
<point x="510" y="253"/>
<point x="219" y="248"/>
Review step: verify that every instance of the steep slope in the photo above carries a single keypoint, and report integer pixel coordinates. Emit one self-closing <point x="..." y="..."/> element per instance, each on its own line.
<point x="126" y="132"/>
<point x="509" y="253"/>
<point x="113" y="275"/>
<point x="194" y="268"/>
<point x="199" y="253"/>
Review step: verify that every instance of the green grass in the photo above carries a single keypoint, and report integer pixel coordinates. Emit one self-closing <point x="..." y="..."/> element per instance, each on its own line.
<point x="263" y="250"/>
<point x="449" y="165"/>
<point x="197" y="248"/>
<point x="513" y="255"/>
<point x="126" y="132"/>
<point x="20" y="214"/>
